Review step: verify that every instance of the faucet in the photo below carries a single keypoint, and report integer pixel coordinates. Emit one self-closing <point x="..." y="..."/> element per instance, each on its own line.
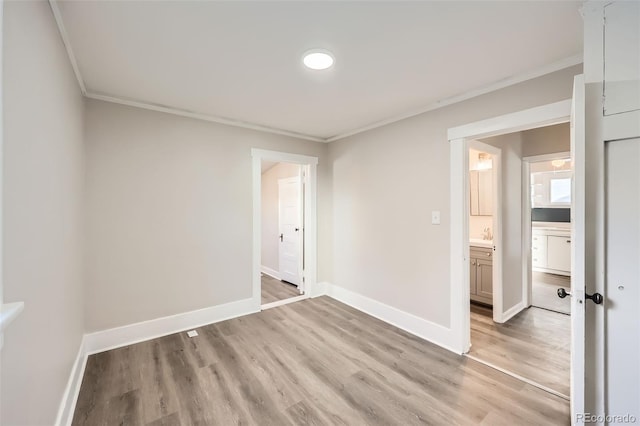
<point x="486" y="234"/>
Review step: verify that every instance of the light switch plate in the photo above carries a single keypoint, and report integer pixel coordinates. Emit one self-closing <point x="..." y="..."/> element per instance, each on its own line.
<point x="192" y="333"/>
<point x="435" y="217"/>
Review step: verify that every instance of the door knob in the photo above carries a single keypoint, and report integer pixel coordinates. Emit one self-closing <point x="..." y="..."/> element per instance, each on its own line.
<point x="596" y="297"/>
<point x="281" y="235"/>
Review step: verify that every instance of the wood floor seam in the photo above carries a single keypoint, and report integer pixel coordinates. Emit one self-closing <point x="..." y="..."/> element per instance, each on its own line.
<point x="315" y="362"/>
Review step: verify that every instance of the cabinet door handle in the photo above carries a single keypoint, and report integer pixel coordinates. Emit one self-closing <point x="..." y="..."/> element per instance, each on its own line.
<point x="473" y="263"/>
<point x="488" y="254"/>
<point x="568" y="241"/>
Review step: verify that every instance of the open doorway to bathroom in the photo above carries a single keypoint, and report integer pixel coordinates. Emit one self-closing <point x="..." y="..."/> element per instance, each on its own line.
<point x="520" y="326"/>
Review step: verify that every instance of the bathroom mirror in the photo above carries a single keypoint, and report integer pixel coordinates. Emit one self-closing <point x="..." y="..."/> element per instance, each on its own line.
<point x="481" y="192"/>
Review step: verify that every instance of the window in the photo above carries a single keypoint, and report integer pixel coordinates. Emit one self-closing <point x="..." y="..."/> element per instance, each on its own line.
<point x="560" y="191"/>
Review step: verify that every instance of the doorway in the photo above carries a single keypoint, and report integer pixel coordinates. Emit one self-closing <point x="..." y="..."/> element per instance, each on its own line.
<point x="518" y="257"/>
<point x="284" y="227"/>
<point x="282" y="249"/>
<point x="548" y="178"/>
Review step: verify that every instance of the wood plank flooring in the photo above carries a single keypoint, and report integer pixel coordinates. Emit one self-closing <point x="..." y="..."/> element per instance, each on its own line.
<point x="544" y="288"/>
<point x="274" y="290"/>
<point x="534" y="344"/>
<point x="315" y="362"/>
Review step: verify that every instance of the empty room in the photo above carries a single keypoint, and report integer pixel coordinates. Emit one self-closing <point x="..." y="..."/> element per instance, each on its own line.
<point x="313" y="212"/>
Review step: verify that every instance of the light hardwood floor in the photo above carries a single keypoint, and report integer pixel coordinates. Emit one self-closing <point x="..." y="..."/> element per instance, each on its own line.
<point x="316" y="362"/>
<point x="544" y="292"/>
<point x="274" y="290"/>
<point x="534" y="344"/>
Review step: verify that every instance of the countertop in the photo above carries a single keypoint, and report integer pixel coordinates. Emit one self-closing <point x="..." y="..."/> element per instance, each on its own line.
<point x="477" y="242"/>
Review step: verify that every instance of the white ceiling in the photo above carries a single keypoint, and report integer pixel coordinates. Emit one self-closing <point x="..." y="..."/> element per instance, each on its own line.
<point x="241" y="61"/>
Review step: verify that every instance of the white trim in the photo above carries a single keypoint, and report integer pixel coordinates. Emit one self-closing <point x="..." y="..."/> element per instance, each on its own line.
<point x="534" y="117"/>
<point x="283" y="157"/>
<point x="67" y="44"/>
<point x="310" y="217"/>
<point x="513" y="311"/>
<point x="200" y="116"/>
<point x="544" y="115"/>
<point x="621" y="126"/>
<point x="427" y="330"/>
<point x="284" y="302"/>
<point x="548" y="69"/>
<point x="271" y="272"/>
<point x="112" y="338"/>
<point x="519" y="377"/>
<point x="527" y="274"/>
<point x="72" y="390"/>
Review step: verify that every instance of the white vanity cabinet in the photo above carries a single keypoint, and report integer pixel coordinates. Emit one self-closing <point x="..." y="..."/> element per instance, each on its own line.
<point x="551" y="250"/>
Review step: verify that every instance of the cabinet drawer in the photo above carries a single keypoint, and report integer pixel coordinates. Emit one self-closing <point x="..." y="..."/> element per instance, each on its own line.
<point x="539" y="251"/>
<point x="481" y="252"/>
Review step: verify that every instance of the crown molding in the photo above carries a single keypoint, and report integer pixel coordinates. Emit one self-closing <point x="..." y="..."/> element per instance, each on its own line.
<point x="547" y="69"/>
<point x="200" y="116"/>
<point x="67" y="45"/>
<point x="500" y="84"/>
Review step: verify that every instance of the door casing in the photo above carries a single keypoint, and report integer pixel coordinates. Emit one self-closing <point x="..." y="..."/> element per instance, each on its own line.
<point x="309" y="165"/>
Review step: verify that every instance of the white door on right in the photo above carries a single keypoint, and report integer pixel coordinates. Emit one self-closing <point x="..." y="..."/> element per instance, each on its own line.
<point x="622" y="304"/>
<point x="291" y="230"/>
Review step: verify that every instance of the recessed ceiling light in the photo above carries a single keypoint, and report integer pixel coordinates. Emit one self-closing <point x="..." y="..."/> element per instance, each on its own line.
<point x="318" y="59"/>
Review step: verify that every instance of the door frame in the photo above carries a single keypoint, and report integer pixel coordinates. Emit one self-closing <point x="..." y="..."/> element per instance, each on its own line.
<point x="309" y="167"/>
<point x="496" y="206"/>
<point x="458" y="137"/>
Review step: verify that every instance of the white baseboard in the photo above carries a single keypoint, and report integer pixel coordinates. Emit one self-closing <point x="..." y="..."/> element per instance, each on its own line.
<point x="512" y="312"/>
<point x="427" y="330"/>
<point x="70" y="396"/>
<point x="271" y="272"/>
<point x="112" y="338"/>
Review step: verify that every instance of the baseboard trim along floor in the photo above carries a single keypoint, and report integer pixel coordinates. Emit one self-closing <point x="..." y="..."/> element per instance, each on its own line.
<point x="123" y="336"/>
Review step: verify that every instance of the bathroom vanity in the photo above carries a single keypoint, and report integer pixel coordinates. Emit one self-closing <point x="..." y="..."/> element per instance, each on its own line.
<point x="481" y="270"/>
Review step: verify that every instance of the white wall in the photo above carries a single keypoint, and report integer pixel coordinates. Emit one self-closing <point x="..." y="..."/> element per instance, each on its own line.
<point x="270" y="212"/>
<point x="477" y="224"/>
<point x="385" y="184"/>
<point x="546" y="140"/>
<point x="169" y="212"/>
<point x="511" y="146"/>
<point x="43" y="194"/>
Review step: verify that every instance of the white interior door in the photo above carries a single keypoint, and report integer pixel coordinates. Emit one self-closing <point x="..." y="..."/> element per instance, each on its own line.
<point x="578" y="248"/>
<point x="622" y="317"/>
<point x="290" y="223"/>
